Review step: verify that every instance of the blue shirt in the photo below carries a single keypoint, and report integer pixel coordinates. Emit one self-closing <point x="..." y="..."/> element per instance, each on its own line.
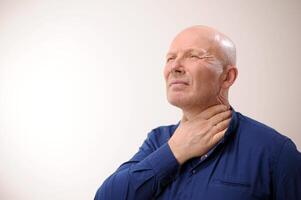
<point x="251" y="162"/>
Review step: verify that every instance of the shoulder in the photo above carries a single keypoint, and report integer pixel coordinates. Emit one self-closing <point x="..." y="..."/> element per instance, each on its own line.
<point x="259" y="133"/>
<point x="264" y="141"/>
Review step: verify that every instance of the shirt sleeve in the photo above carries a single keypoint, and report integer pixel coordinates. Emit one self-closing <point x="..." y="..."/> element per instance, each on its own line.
<point x="151" y="169"/>
<point x="288" y="173"/>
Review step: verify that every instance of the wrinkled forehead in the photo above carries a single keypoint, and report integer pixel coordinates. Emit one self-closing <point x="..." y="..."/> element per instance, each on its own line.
<point x="192" y="39"/>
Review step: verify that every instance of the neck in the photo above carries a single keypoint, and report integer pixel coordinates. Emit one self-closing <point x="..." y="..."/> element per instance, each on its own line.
<point x="191" y="112"/>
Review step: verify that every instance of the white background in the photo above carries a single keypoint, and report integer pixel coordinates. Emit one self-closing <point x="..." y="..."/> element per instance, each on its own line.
<point x="81" y="82"/>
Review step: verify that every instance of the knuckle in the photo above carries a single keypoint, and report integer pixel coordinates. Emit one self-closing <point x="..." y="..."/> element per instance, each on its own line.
<point x="218" y="126"/>
<point x="209" y="124"/>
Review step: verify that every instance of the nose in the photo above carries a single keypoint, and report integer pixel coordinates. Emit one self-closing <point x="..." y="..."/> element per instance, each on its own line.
<point x="177" y="67"/>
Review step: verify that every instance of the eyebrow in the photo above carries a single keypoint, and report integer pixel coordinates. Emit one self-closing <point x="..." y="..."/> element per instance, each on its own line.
<point x="190" y="50"/>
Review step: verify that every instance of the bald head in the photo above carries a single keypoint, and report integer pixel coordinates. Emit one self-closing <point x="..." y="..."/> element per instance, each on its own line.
<point x="212" y="41"/>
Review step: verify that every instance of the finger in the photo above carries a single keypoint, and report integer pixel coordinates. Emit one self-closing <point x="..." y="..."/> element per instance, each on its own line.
<point x="220" y="117"/>
<point x="211" y="131"/>
<point x="213" y="110"/>
<point x="217" y="137"/>
<point x="220" y="126"/>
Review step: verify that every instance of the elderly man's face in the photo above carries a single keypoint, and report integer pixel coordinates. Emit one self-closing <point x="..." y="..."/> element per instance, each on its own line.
<point x="192" y="73"/>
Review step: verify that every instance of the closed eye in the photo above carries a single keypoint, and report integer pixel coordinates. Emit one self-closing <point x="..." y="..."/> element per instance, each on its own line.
<point x="194" y="56"/>
<point x="169" y="59"/>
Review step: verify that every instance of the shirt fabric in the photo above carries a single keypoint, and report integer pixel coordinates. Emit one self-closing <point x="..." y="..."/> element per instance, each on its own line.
<point x="251" y="162"/>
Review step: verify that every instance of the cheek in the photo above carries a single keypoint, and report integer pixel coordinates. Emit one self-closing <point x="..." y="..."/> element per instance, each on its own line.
<point x="166" y="72"/>
<point x="206" y="79"/>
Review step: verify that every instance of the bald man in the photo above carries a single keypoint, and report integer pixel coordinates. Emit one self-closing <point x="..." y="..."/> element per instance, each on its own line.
<point x="214" y="152"/>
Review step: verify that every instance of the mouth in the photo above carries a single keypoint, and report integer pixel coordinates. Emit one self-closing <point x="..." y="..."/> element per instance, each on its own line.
<point x="178" y="82"/>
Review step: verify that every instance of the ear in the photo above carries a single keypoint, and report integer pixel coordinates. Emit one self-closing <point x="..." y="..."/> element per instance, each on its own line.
<point x="229" y="76"/>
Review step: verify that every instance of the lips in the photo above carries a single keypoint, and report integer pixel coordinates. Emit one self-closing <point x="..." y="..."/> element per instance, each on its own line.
<point x="178" y="82"/>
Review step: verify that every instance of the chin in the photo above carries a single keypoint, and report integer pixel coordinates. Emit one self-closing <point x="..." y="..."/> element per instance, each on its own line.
<point x="178" y="101"/>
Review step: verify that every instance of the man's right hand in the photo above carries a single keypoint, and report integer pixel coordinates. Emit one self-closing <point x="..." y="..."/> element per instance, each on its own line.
<point x="196" y="137"/>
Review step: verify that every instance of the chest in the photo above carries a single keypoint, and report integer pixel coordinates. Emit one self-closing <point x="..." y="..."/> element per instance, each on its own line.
<point x="224" y="175"/>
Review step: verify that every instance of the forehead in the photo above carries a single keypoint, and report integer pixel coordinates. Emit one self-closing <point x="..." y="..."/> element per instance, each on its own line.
<point x="191" y="39"/>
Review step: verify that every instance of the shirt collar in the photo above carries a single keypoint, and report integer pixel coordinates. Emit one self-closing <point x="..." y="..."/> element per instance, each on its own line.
<point x="232" y="126"/>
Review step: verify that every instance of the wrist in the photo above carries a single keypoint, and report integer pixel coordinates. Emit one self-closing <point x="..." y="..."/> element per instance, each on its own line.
<point x="178" y="153"/>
